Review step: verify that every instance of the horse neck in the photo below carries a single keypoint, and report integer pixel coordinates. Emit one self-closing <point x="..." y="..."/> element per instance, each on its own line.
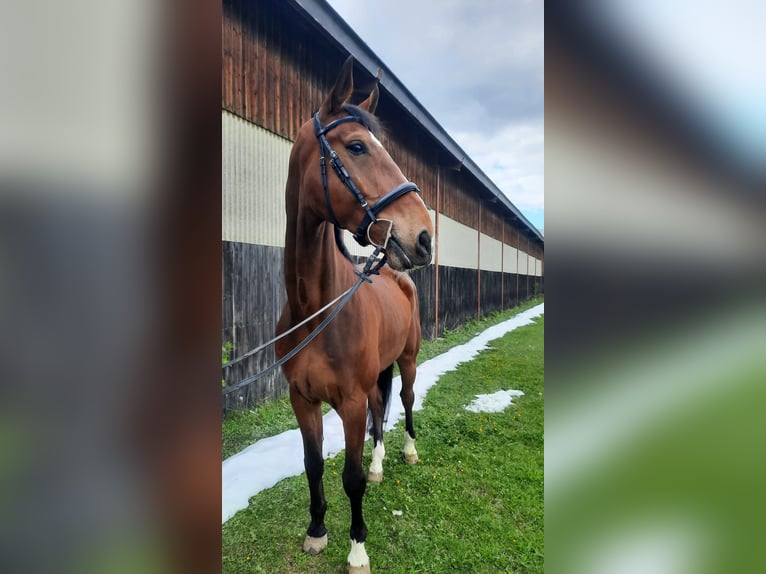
<point x="314" y="272"/>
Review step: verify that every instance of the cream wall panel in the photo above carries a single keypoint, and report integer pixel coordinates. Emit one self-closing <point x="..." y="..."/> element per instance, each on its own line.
<point x="523" y="263"/>
<point x="458" y="244"/>
<point x="254" y="173"/>
<point x="510" y="255"/>
<point x="491" y="256"/>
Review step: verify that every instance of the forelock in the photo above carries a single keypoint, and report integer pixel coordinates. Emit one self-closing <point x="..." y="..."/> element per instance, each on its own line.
<point x="368" y="120"/>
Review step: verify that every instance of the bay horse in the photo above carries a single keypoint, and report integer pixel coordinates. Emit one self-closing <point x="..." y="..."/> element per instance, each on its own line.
<point x="350" y="364"/>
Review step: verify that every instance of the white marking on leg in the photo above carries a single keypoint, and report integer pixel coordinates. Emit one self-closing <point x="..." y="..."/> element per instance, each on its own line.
<point x="410" y="454"/>
<point x="409" y="446"/>
<point x="378" y="454"/>
<point x="358" y="555"/>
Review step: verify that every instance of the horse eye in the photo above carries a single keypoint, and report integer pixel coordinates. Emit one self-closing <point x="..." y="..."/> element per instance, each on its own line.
<point x="357" y="148"/>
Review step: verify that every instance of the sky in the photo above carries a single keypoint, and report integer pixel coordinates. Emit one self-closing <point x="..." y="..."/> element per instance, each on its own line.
<point x="478" y="69"/>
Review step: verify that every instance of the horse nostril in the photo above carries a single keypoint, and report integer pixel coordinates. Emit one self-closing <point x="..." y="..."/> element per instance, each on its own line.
<point x="424" y="244"/>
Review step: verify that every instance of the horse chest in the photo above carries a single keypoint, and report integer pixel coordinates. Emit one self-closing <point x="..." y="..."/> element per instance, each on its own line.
<point x="321" y="374"/>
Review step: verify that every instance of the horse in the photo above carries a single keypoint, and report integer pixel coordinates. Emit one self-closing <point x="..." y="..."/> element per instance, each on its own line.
<point x="350" y="364"/>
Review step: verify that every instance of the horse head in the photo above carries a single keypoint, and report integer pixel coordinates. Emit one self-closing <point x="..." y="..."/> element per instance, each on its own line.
<point x="359" y="187"/>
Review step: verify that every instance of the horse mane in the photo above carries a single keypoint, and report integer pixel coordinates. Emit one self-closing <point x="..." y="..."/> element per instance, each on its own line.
<point x="368" y="120"/>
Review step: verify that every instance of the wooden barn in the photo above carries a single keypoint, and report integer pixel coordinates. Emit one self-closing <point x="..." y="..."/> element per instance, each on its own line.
<point x="280" y="57"/>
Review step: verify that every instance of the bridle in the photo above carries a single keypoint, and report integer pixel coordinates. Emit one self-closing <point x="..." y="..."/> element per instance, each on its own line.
<point x="362" y="234"/>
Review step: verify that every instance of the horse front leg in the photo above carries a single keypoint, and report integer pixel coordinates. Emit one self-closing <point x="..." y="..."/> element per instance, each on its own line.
<point x="354" y="416"/>
<point x="377" y="402"/>
<point x="408" y="367"/>
<point x="309" y="416"/>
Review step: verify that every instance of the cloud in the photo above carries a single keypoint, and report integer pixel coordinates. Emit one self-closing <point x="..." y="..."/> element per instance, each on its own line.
<point x="512" y="157"/>
<point x="452" y="55"/>
<point x="478" y="69"/>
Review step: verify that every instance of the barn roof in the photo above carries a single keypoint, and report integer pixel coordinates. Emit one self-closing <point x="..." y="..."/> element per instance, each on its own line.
<point x="329" y="23"/>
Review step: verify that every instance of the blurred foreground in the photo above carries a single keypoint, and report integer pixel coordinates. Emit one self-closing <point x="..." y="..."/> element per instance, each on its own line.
<point x="655" y="269"/>
<point x="109" y="287"/>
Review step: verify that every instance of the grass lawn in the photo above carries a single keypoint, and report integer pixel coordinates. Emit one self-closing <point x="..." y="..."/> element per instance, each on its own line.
<point x="240" y="429"/>
<point x="473" y="504"/>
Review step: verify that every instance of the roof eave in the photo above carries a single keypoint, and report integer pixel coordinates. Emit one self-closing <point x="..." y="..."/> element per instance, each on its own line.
<point x="332" y="26"/>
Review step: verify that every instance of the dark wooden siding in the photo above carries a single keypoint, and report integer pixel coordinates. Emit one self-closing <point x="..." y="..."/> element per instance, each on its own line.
<point x="455" y="202"/>
<point x="425" y="280"/>
<point x="253" y="297"/>
<point x="457" y="297"/>
<point x="519" y="288"/>
<point x="491" y="289"/>
<point x="276" y="68"/>
<point x="491" y="222"/>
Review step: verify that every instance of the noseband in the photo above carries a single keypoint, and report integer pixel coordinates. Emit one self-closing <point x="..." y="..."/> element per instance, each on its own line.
<point x="362" y="234"/>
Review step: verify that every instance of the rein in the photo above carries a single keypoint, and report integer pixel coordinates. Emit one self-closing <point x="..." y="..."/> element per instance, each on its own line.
<point x="372" y="267"/>
<point x="362" y="236"/>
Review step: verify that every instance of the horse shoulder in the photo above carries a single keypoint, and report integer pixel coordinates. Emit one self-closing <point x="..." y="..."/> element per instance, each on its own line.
<point x="282" y="346"/>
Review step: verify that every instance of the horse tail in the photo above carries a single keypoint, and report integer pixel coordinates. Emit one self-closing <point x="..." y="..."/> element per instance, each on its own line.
<point x="385" y="379"/>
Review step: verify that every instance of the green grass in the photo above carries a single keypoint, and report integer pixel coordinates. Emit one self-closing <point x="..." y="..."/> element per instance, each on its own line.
<point x="474" y="503"/>
<point x="242" y="428"/>
<point x="433" y="347"/>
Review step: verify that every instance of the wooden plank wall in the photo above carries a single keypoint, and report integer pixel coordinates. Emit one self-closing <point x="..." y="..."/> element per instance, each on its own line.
<point x="250" y="315"/>
<point x="276" y="68"/>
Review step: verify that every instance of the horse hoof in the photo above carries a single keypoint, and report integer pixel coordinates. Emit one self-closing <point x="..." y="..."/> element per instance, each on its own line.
<point x="375" y="477"/>
<point x="313" y="545"/>
<point x="411" y="458"/>
<point x="358" y="569"/>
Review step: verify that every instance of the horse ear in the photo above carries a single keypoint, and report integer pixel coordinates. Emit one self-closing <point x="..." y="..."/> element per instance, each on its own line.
<point x="372" y="100"/>
<point x="341" y="91"/>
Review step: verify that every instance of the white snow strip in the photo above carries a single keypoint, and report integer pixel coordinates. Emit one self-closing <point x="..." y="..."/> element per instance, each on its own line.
<point x="265" y="463"/>
<point x="493" y="403"/>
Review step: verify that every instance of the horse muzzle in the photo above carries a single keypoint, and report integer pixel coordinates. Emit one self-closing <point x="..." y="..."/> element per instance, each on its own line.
<point x="404" y="255"/>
